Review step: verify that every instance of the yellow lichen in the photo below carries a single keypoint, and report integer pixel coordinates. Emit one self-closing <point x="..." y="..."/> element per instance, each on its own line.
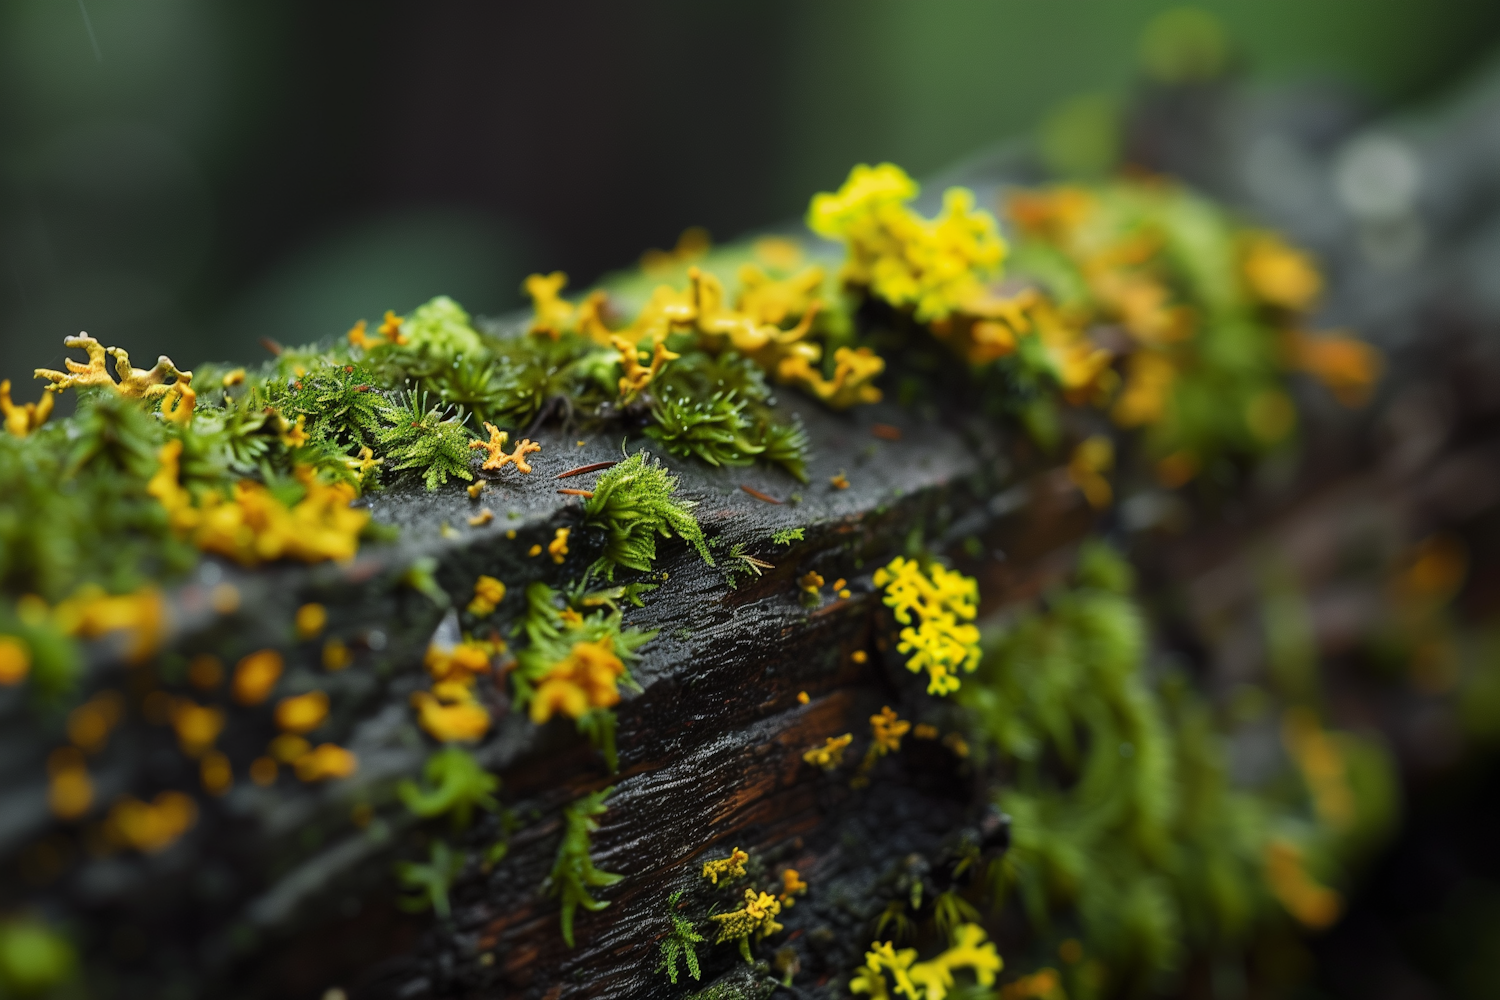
<point x="136" y="383"/>
<point x="931" y="980"/>
<point x="302" y="713"/>
<point x="553" y="315"/>
<point x="255" y="676"/>
<point x="253" y="526"/>
<point x="15" y="660"/>
<point x="638" y="376"/>
<point x="70" y="791"/>
<point x="1313" y="905"/>
<point x="1320" y="758"/>
<point x="496" y="457"/>
<point x="934" y="266"/>
<point x="1279" y="275"/>
<point x="462" y="662"/>
<point x="488" y="592"/>
<point x="336" y="654"/>
<point x="830" y="755"/>
<point x="726" y="868"/>
<point x="91" y="613"/>
<point x="588" y="677"/>
<point x="887" y="730"/>
<point x="757" y="917"/>
<point x="326" y="762"/>
<point x="791" y="886"/>
<point x="151" y="826"/>
<point x="197" y="726"/>
<point x="1092" y="458"/>
<point x="941" y="641"/>
<point x="558" y="547"/>
<point x="23" y="418"/>
<point x="451" y="713"/>
<point x="1348" y="367"/>
<point x="310" y="620"/>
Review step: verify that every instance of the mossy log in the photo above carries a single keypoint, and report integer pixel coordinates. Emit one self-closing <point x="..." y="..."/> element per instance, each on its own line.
<point x="287" y="890"/>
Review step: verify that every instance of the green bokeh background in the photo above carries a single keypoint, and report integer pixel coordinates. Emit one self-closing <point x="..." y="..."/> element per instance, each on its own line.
<point x="185" y="176"/>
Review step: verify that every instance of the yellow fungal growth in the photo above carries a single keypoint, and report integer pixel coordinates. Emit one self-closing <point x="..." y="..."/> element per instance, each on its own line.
<point x="488" y="592"/>
<point x="757" y="917"/>
<point x="364" y="463"/>
<point x="726" y="868"/>
<point x="325" y="763"/>
<point x="15" y="660"/>
<point x="552" y="314"/>
<point x="302" y="713"/>
<point x="931" y="980"/>
<point x="336" y="654"/>
<point x="887" y="730"/>
<point x="853" y="372"/>
<point x="777" y="300"/>
<point x="1279" y="275"/>
<point x="70" y="791"/>
<point x="197" y="726"/>
<point x="1348" y="367"/>
<point x="310" y="621"/>
<point x="462" y="662"/>
<point x="497" y="458"/>
<point x="638" y="376"/>
<point x="1092" y="458"/>
<point x="942" y="641"/>
<point x="255" y="527"/>
<point x="178" y="404"/>
<point x="1321" y="760"/>
<point x="136" y="383"/>
<point x="830" y="755"/>
<point x="390" y="329"/>
<point x="450" y="713"/>
<point x="1313" y="905"/>
<point x="91" y="613"/>
<point x="233" y="378"/>
<point x="255" y="676"/>
<point x="588" y="677"/>
<point x="791" y="886"/>
<point x="934" y="266"/>
<point x="23" y="418"/>
<point x="558" y="547"/>
<point x="151" y="826"/>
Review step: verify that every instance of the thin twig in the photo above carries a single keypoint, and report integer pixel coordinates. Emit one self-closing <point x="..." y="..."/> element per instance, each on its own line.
<point x="757" y="494"/>
<point x="578" y="493"/>
<point x="595" y="467"/>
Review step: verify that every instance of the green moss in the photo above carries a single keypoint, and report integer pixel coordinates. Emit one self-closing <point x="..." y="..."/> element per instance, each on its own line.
<point x="458" y="785"/>
<point x="428" y="884"/>
<point x="431" y="440"/>
<point x="634" y="504"/>
<point x="682" y="937"/>
<point x="34" y="958"/>
<point x="573" y="873"/>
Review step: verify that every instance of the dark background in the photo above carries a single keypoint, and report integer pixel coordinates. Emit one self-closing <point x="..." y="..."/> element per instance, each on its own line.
<point x="185" y="177"/>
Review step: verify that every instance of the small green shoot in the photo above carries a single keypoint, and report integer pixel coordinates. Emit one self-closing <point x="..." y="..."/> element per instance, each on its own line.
<point x="633" y="503"/>
<point x="787" y="536"/>
<point x="430" y="882"/>
<point x="573" y="873"/>
<point x="679" y="943"/>
<point x="459" y="785"/>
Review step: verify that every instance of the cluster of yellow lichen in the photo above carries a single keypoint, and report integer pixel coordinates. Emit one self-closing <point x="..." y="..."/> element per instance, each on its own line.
<point x="450" y="711"/>
<point x="930" y="980"/>
<point x="943" y="639"/>
<point x="753" y="326"/>
<point x="587" y="678"/>
<point x="253" y="526"/>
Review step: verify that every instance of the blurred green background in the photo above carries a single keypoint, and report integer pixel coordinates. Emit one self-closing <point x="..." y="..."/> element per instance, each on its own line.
<point x="185" y="176"/>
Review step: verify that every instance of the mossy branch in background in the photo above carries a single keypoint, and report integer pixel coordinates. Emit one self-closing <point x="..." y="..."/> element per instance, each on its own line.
<point x="633" y="502"/>
<point x="573" y="873"/>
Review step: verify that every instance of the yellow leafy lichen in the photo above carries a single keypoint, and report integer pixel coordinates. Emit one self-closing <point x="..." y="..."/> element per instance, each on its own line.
<point x="757" y="918"/>
<point x="726" y="868"/>
<point x="1348" y="367"/>
<point x="942" y="641"/>
<point x="91" y="613"/>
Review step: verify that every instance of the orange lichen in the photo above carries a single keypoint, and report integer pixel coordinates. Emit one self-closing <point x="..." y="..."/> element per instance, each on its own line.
<point x="558" y="547"/>
<point x="791" y="885"/>
<point x="23" y="418"/>
<point x="1348" y="367"/>
<point x="327" y="762"/>
<point x="638" y="376"/>
<point x="302" y="713"/>
<point x="488" y="592"/>
<point x="462" y="662"/>
<point x="496" y="457"/>
<point x="1313" y="905"/>
<point x="91" y="613"/>
<point x="310" y="620"/>
<point x="553" y="315"/>
<point x="255" y="675"/>
<point x="15" y="660"/>
<point x="588" y="677"/>
<point x="154" y="826"/>
<point x="450" y="713"/>
<point x="484" y="517"/>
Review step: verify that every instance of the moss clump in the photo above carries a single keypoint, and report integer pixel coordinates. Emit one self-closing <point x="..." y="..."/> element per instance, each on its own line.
<point x="634" y="504"/>
<point x="458" y="787"/>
